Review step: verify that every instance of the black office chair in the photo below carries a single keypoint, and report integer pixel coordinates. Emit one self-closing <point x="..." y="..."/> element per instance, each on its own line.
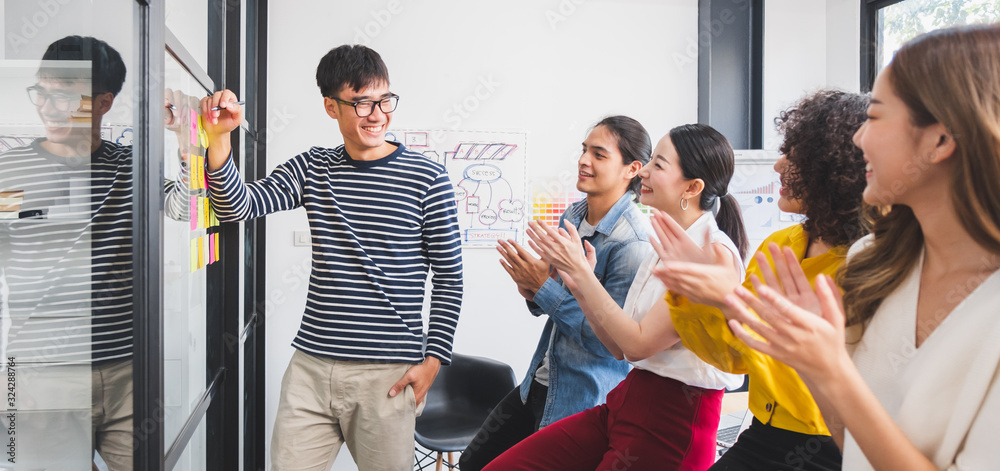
<point x="462" y="396"/>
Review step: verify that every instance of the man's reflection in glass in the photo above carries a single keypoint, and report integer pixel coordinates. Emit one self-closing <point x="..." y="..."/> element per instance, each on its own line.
<point x="66" y="252"/>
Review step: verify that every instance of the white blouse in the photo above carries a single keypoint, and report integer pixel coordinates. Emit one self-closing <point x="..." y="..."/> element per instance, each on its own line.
<point x="678" y="362"/>
<point x="945" y="395"/>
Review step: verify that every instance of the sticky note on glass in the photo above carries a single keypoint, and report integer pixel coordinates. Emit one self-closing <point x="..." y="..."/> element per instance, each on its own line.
<point x="204" y="174"/>
<point x="192" y="215"/>
<point x="194" y="255"/>
<point x="211" y="249"/>
<point x="194" y="172"/>
<point x="192" y="181"/>
<point x="200" y="174"/>
<point x="218" y="254"/>
<point x="199" y="215"/>
<point x="202" y="135"/>
<point x="206" y="211"/>
<point x="212" y="217"/>
<point x="194" y="128"/>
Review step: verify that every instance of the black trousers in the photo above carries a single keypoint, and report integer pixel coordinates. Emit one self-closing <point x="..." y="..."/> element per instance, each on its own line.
<point x="510" y="422"/>
<point x="766" y="448"/>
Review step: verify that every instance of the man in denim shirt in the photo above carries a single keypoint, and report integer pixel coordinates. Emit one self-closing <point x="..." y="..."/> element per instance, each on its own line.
<point x="571" y="369"/>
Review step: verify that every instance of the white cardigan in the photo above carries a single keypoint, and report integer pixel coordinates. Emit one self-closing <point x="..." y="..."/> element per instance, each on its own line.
<point x="677" y="362"/>
<point x="945" y="395"/>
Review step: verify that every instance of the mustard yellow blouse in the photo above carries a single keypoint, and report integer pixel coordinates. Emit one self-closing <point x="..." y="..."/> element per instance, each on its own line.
<point x="777" y="395"/>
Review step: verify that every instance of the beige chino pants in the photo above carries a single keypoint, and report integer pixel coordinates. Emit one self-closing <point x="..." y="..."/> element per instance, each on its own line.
<point x="325" y="403"/>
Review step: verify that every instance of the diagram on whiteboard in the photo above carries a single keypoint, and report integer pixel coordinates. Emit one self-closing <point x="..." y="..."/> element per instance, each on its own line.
<point x="487" y="170"/>
<point x="756" y="187"/>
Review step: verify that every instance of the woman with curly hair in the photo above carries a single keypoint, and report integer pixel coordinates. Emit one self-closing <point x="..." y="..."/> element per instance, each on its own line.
<point x="822" y="176"/>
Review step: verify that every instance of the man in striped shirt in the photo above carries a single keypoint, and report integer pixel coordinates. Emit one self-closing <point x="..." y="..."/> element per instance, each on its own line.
<point x="381" y="216"/>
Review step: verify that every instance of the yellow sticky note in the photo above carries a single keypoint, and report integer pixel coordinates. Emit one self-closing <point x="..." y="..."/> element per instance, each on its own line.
<point x="202" y="135"/>
<point x="205" y="213"/>
<point x="201" y="252"/>
<point x="198" y="131"/>
<point x="192" y="173"/>
<point x="218" y="248"/>
<point x="194" y="255"/>
<point x="200" y="184"/>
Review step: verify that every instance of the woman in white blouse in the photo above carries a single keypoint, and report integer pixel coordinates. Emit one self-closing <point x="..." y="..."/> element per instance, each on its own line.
<point x="917" y="384"/>
<point x="665" y="414"/>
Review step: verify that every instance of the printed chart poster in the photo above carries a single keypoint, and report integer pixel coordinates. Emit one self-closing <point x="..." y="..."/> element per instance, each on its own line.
<point x="487" y="169"/>
<point x="756" y="187"/>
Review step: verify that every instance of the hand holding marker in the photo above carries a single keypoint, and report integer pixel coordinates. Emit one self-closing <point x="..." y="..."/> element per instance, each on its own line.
<point x="217" y="108"/>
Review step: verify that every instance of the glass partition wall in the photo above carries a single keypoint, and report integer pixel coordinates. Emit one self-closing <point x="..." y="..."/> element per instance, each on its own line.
<point x="128" y="321"/>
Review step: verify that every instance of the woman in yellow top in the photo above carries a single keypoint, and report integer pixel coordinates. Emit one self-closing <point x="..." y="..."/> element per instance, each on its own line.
<point x="822" y="176"/>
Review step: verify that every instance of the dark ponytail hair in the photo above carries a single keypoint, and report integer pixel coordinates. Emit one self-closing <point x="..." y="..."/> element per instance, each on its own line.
<point x="633" y="144"/>
<point x="706" y="154"/>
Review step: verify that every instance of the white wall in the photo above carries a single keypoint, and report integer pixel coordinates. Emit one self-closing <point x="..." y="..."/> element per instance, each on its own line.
<point x="554" y="68"/>
<point x="808" y="45"/>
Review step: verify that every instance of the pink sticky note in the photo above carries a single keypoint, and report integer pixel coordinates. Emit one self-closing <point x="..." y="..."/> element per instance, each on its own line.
<point x="204" y="174"/>
<point x="194" y="128"/>
<point x="211" y="249"/>
<point x="193" y="215"/>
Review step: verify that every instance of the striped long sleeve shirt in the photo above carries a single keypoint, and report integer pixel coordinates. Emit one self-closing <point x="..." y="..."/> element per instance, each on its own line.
<point x="377" y="228"/>
<point x="67" y="259"/>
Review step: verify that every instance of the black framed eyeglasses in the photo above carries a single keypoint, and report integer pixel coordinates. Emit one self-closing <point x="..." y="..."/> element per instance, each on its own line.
<point x="365" y="108"/>
<point x="60" y="101"/>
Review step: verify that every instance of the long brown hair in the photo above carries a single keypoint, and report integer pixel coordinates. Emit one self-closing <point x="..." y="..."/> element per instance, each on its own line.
<point x="952" y="77"/>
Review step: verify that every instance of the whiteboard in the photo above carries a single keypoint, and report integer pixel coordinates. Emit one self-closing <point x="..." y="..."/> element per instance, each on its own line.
<point x="487" y="169"/>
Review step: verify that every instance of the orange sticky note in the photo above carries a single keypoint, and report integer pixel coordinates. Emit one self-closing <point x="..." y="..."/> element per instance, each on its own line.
<point x="218" y="255"/>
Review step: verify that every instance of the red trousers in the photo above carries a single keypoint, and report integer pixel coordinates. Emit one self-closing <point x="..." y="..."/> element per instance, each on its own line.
<point x="649" y="422"/>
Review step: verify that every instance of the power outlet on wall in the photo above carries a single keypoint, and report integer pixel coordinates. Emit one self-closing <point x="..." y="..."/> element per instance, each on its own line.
<point x="301" y="239"/>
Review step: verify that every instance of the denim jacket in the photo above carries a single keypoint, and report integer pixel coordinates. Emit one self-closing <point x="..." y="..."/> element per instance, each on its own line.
<point x="581" y="370"/>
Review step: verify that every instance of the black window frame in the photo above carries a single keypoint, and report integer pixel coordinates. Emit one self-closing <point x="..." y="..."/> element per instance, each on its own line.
<point x="228" y="338"/>
<point x="870" y="47"/>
